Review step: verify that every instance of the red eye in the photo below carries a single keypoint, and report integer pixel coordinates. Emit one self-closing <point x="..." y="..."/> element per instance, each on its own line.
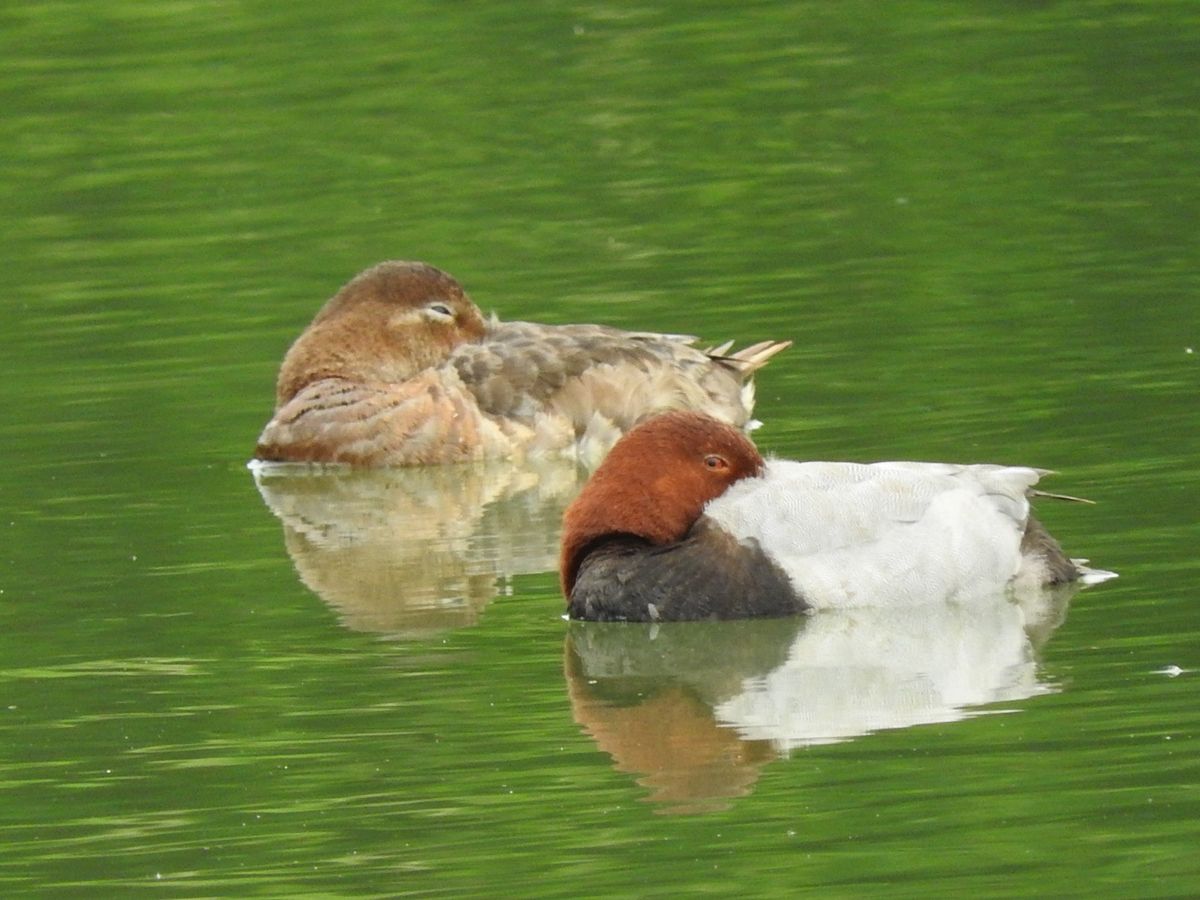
<point x="715" y="463"/>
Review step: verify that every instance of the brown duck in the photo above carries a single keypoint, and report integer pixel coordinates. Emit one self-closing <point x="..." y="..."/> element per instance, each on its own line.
<point x="401" y="368"/>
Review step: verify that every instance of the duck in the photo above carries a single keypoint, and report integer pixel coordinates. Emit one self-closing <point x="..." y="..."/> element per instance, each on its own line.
<point x="400" y="367"/>
<point x="684" y="519"/>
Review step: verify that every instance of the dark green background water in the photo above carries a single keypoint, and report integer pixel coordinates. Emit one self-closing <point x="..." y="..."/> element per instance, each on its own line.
<point x="979" y="223"/>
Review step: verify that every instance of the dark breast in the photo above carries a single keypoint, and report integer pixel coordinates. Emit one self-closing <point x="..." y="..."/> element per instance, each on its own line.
<point x="707" y="575"/>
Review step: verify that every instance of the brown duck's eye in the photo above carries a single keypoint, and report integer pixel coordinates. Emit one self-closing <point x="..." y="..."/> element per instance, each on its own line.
<point x="440" y="310"/>
<point x="716" y="463"/>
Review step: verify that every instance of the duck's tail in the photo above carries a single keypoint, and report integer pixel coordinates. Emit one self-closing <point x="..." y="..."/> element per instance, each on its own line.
<point x="748" y="360"/>
<point x="1068" y="497"/>
<point x="1088" y="575"/>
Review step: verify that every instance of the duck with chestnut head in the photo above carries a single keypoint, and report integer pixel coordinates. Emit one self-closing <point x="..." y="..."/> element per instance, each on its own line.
<point x="685" y="520"/>
<point x="401" y="368"/>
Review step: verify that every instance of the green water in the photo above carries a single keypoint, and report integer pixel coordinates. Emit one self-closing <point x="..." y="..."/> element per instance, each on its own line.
<point x="977" y="221"/>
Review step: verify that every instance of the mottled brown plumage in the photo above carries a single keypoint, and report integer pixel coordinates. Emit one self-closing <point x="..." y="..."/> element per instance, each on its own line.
<point x="400" y="368"/>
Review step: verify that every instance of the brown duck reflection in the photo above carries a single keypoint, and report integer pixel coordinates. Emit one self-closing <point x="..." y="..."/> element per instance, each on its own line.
<point x="696" y="709"/>
<point x="414" y="551"/>
<point x="646" y="695"/>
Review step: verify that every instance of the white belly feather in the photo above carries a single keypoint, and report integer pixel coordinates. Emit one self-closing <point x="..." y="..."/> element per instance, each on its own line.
<point x="887" y="533"/>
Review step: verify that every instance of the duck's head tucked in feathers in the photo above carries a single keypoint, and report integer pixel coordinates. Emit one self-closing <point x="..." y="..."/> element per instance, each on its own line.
<point x="684" y="520"/>
<point x="655" y="483"/>
<point x="385" y="325"/>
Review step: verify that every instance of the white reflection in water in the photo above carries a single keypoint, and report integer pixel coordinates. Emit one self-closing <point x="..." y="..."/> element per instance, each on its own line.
<point x="418" y="550"/>
<point x="858" y="671"/>
<point x="696" y="709"/>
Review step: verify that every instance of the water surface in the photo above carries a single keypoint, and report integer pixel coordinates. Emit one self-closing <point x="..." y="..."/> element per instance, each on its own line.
<point x="978" y="224"/>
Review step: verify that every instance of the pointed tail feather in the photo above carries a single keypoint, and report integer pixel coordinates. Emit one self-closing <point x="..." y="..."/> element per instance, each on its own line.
<point x="1040" y="493"/>
<point x="1089" y="576"/>
<point x="750" y="359"/>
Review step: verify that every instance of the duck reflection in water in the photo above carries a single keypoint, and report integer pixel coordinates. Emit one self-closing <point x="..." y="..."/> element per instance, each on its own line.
<point x="696" y="709"/>
<point x="411" y="552"/>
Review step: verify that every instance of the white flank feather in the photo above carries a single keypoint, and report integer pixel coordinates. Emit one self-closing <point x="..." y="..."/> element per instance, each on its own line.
<point x="887" y="533"/>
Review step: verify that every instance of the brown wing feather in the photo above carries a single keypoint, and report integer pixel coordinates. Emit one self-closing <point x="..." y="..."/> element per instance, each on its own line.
<point x="521" y="368"/>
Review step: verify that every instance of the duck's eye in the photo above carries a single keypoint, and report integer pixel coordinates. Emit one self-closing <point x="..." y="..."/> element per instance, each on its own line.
<point x="716" y="463"/>
<point x="440" y="310"/>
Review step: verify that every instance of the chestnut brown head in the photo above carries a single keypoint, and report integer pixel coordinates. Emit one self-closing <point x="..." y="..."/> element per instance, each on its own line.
<point x="655" y="483"/>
